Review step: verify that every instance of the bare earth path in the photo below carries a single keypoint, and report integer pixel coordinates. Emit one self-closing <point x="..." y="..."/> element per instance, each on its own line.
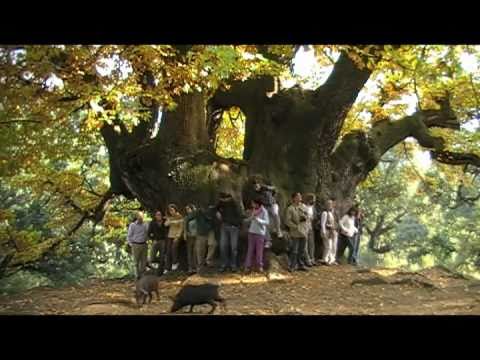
<point x="339" y="290"/>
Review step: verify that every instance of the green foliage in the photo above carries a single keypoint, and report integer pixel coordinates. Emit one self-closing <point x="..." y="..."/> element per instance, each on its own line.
<point x="22" y="281"/>
<point x="84" y="255"/>
<point x="31" y="228"/>
<point x="438" y="228"/>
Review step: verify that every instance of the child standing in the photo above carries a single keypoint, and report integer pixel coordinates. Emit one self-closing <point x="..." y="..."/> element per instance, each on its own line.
<point x="256" y="235"/>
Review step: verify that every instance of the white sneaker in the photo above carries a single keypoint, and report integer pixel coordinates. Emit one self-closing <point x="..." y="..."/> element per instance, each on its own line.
<point x="175" y="266"/>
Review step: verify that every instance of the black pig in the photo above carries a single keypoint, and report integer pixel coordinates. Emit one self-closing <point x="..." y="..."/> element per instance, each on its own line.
<point x="197" y="295"/>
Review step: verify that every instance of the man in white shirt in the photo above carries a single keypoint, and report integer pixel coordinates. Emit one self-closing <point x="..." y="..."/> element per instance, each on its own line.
<point x="137" y="239"/>
<point x="329" y="234"/>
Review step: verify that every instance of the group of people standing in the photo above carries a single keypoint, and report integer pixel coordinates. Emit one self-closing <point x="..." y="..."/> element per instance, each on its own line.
<point x="261" y="220"/>
<point x="166" y="232"/>
<point x="304" y="223"/>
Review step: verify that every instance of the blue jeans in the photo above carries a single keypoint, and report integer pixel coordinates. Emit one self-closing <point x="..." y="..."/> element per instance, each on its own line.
<point x="297" y="253"/>
<point x="356" y="248"/>
<point x="229" y="241"/>
<point x="350" y="244"/>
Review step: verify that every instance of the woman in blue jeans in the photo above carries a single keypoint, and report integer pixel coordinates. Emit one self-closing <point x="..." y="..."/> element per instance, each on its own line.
<point x="348" y="232"/>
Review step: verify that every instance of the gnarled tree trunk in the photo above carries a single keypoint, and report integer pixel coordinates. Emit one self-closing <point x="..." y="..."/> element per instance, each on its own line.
<point x="291" y="139"/>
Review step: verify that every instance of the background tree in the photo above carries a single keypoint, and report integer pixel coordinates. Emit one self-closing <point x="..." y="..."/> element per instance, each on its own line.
<point x="420" y="218"/>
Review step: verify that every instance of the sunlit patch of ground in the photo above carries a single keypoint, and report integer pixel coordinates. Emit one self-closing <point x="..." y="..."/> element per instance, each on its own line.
<point x="384" y="272"/>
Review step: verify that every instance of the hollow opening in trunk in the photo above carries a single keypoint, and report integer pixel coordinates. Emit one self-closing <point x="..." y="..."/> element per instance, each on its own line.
<point x="230" y="136"/>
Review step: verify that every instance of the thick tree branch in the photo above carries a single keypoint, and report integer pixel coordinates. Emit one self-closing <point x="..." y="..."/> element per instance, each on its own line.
<point x="34" y="253"/>
<point x="444" y="118"/>
<point x="374" y="234"/>
<point x="382" y="249"/>
<point x="337" y="95"/>
<point x="387" y="133"/>
<point x="19" y="122"/>
<point x="85" y="180"/>
<point x="281" y="59"/>
<point x="461" y="199"/>
<point x="4" y="262"/>
<point x="78" y="225"/>
<point x="96" y="215"/>
<point x="360" y="152"/>
<point x="454" y="158"/>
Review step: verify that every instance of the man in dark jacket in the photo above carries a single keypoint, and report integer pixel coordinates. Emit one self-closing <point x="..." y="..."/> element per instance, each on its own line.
<point x="205" y="242"/>
<point x="230" y="215"/>
<point x="157" y="232"/>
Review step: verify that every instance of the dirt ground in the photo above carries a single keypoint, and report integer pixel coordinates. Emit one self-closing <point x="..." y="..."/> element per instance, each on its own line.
<point x="334" y="290"/>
